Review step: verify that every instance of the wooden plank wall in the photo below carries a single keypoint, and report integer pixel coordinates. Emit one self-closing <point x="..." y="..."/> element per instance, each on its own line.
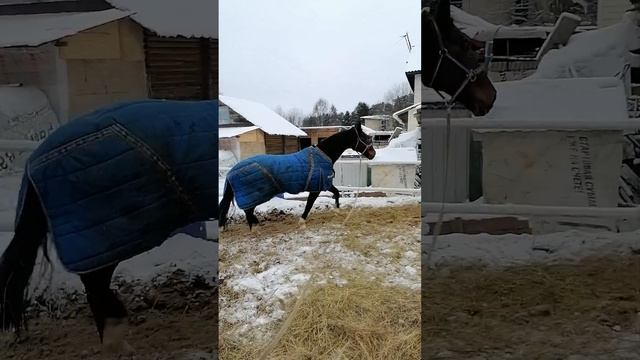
<point x="180" y="68"/>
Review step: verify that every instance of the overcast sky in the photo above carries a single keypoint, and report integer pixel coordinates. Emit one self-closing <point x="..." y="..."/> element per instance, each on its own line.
<point x="291" y="52"/>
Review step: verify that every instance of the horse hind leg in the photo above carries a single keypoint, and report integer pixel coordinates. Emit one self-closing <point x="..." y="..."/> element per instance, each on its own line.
<point x="109" y="312"/>
<point x="251" y="218"/>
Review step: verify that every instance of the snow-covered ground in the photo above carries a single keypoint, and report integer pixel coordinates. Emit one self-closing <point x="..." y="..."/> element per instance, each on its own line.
<point x="507" y="250"/>
<point x="262" y="273"/>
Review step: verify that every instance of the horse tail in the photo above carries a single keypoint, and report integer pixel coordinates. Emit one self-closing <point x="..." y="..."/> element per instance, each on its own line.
<point x="225" y="204"/>
<point x="19" y="258"/>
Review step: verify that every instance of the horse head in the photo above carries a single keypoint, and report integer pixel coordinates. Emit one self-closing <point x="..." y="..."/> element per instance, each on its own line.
<point x="451" y="62"/>
<point x="364" y="142"/>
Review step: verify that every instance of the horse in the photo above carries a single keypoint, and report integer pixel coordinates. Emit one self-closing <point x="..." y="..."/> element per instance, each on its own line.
<point x="256" y="180"/>
<point x="109" y="186"/>
<point x="451" y="62"/>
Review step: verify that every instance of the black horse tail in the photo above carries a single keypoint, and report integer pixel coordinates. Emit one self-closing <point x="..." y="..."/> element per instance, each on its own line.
<point x="225" y="204"/>
<point x="18" y="260"/>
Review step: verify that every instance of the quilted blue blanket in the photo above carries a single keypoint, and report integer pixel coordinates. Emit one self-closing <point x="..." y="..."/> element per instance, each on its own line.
<point x="259" y="178"/>
<point x="119" y="181"/>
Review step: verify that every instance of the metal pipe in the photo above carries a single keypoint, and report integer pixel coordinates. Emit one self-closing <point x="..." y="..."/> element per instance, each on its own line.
<point x="536" y="210"/>
<point x="385" y="190"/>
<point x="532" y="124"/>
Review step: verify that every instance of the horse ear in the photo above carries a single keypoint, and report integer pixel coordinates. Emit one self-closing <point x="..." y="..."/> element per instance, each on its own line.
<point x="443" y="14"/>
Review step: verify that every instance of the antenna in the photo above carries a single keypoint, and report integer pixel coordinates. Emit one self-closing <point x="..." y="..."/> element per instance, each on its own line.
<point x="407" y="41"/>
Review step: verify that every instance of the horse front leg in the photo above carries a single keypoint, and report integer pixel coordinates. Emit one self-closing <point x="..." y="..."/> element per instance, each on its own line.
<point x="251" y="218"/>
<point x="109" y="312"/>
<point x="336" y="195"/>
<point x="310" y="200"/>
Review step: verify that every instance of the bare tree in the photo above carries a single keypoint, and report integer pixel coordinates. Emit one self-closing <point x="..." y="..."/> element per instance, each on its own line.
<point x="396" y="91"/>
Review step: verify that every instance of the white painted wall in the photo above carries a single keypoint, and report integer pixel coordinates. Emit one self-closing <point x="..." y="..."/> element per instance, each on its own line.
<point x="396" y="176"/>
<point x="611" y="11"/>
<point x="351" y="173"/>
<point x="557" y="168"/>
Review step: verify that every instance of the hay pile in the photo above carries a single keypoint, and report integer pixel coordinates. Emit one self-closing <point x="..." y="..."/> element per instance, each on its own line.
<point x="358" y="320"/>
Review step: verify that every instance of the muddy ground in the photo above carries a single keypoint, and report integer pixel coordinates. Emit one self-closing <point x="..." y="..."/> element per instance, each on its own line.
<point x="175" y="318"/>
<point x="587" y="310"/>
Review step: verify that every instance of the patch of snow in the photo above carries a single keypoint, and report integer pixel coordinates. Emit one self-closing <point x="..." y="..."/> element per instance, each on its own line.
<point x="389" y="155"/>
<point x="583" y="100"/>
<point x="507" y="250"/>
<point x="261" y="116"/>
<point x="189" y="18"/>
<point x="229" y="132"/>
<point x="595" y="53"/>
<point x="37" y="29"/>
<point x="477" y="28"/>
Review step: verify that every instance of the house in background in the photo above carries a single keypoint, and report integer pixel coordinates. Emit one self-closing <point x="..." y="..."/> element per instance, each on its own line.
<point x="247" y="128"/>
<point x="87" y="54"/>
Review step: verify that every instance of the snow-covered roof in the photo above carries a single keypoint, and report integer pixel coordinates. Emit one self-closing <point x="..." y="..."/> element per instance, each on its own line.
<point x="477" y="28"/>
<point x="401" y="150"/>
<point x="189" y="18"/>
<point x="229" y="132"/>
<point x="37" y="29"/>
<point x="577" y="100"/>
<point x="596" y="53"/>
<point x="261" y="116"/>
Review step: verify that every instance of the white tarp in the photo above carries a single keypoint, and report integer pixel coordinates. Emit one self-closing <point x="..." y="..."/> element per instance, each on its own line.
<point x="25" y="113"/>
<point x="37" y="29"/>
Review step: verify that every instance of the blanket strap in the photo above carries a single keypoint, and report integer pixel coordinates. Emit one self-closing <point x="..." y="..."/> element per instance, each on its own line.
<point x="155" y="158"/>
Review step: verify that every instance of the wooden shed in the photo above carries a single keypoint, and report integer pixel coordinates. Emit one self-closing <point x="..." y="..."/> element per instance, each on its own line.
<point x="87" y="54"/>
<point x="249" y="128"/>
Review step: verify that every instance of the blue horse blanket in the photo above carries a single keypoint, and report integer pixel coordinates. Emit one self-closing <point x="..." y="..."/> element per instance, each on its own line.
<point x="258" y="179"/>
<point x="121" y="180"/>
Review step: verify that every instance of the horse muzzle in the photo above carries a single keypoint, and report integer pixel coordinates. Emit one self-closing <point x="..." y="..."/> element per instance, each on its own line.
<point x="370" y="153"/>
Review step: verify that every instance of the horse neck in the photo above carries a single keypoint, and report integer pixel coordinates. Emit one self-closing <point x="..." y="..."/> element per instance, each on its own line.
<point x="336" y="144"/>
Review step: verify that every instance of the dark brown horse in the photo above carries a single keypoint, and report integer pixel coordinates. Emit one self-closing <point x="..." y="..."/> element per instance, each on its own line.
<point x="453" y="63"/>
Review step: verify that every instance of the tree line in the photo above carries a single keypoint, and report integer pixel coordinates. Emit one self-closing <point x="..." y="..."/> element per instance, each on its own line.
<point x="325" y="114"/>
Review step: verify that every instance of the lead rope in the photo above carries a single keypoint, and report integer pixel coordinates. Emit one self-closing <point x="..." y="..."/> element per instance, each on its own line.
<point x="438" y="228"/>
<point x="355" y="201"/>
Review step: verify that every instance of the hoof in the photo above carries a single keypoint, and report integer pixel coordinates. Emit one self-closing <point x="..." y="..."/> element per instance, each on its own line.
<point x="115" y="331"/>
<point x="302" y="223"/>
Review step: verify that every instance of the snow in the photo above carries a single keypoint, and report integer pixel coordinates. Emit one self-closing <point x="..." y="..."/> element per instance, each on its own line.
<point x="229" y="132"/>
<point x="261" y="116"/>
<point x="401" y="150"/>
<point x="266" y="273"/>
<point x="477" y="28"/>
<point x="37" y="29"/>
<point x="194" y="256"/>
<point x="596" y="53"/>
<point x="189" y="18"/>
<point x="583" y="100"/>
<point x="508" y="250"/>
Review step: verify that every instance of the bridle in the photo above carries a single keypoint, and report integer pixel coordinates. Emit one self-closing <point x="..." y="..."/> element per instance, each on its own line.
<point x="359" y="141"/>
<point x="471" y="74"/>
